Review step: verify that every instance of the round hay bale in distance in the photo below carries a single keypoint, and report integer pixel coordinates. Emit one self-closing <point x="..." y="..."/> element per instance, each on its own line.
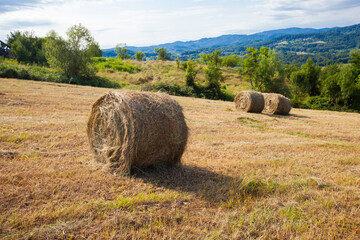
<point x="249" y="101"/>
<point x="277" y="104"/>
<point x="136" y="129"/>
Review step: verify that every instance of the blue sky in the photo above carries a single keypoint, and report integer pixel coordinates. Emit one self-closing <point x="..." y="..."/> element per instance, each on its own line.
<point x="148" y="22"/>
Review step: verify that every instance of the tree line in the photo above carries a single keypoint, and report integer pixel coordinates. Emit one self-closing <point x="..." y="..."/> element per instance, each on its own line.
<point x="335" y="86"/>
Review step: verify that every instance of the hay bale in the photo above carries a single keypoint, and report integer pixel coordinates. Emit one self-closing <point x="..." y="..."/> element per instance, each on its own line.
<point x="249" y="101"/>
<point x="136" y="129"/>
<point x="277" y="104"/>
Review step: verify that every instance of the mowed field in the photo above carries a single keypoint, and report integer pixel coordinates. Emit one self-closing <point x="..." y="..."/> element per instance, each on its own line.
<point x="243" y="175"/>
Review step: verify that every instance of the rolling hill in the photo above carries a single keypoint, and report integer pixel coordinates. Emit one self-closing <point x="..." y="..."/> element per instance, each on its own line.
<point x="215" y="42"/>
<point x="332" y="45"/>
<point x="327" y="45"/>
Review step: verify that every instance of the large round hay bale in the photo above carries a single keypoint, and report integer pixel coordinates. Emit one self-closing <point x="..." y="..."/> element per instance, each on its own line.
<point x="277" y="104"/>
<point x="136" y="129"/>
<point x="249" y="101"/>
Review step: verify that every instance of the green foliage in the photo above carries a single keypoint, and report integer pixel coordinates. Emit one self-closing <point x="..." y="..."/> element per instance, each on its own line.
<point x="264" y="71"/>
<point x="330" y="87"/>
<point x="189" y="91"/>
<point x="350" y="86"/>
<point x="72" y="56"/>
<point x="139" y="56"/>
<point x="115" y="64"/>
<point x="306" y="82"/>
<point x="190" y="73"/>
<point x="27" y="48"/>
<point x="30" y="72"/>
<point x="50" y="75"/>
<point x="177" y="61"/>
<point x="312" y="73"/>
<point x="213" y="58"/>
<point x="162" y="54"/>
<point x="121" y="51"/>
<point x="214" y="75"/>
<point x="174" y="89"/>
<point x="250" y="64"/>
<point x="290" y="68"/>
<point x="231" y="61"/>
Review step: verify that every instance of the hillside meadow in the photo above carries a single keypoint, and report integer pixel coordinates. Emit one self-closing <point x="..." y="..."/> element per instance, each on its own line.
<point x="243" y="175"/>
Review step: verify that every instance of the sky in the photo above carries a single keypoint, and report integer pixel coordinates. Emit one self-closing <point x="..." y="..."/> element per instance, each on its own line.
<point x="150" y="22"/>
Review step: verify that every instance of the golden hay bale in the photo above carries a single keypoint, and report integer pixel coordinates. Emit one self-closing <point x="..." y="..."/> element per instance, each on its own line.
<point x="249" y="101"/>
<point x="277" y="104"/>
<point x="136" y="129"/>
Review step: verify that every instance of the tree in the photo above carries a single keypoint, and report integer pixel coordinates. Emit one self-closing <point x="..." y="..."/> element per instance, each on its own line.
<point x="26" y="47"/>
<point x="121" y="51"/>
<point x="213" y="58"/>
<point x="312" y="73"/>
<point x="190" y="73"/>
<point x="162" y="54"/>
<point x="250" y="64"/>
<point x="330" y="87"/>
<point x="306" y="81"/>
<point x="72" y="56"/>
<point x="349" y="81"/>
<point x="139" y="55"/>
<point x="231" y="61"/>
<point x="264" y="71"/>
<point x="214" y="75"/>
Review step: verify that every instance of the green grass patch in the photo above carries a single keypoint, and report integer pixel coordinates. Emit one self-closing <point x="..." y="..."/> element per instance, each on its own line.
<point x="113" y="64"/>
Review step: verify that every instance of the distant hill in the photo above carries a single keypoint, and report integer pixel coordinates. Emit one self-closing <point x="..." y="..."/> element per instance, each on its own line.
<point x="178" y="47"/>
<point x="327" y="45"/>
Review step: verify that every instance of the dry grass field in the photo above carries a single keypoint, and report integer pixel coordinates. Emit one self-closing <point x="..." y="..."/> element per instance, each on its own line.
<point x="244" y="176"/>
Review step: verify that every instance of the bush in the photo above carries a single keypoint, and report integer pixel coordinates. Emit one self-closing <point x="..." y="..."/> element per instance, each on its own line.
<point x="49" y="75"/>
<point x="116" y="64"/>
<point x="9" y="73"/>
<point x="318" y="102"/>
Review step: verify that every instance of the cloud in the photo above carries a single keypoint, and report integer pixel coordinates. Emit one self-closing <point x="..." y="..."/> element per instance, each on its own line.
<point x="145" y="22"/>
<point x="312" y="5"/>
<point x="24" y="24"/>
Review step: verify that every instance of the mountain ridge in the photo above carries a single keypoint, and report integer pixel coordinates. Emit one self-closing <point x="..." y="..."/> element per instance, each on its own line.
<point x="213" y="42"/>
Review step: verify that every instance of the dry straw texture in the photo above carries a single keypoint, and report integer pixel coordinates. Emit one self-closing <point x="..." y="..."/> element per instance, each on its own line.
<point x="276" y="104"/>
<point x="136" y="129"/>
<point x="249" y="101"/>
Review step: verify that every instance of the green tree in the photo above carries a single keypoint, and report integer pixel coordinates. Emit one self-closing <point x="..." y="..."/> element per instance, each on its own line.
<point x="349" y="81"/>
<point x="190" y="73"/>
<point x="214" y="75"/>
<point x="162" y="54"/>
<point x="139" y="55"/>
<point x="312" y="73"/>
<point x="27" y="48"/>
<point x="306" y="81"/>
<point x="231" y="61"/>
<point x="177" y="61"/>
<point x="264" y="71"/>
<point x="330" y="87"/>
<point x="213" y="58"/>
<point x="72" y="56"/>
<point x="250" y="64"/>
<point x="121" y="51"/>
<point x="270" y="73"/>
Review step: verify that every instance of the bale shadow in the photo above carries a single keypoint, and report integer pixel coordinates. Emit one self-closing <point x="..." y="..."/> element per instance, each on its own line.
<point x="285" y="116"/>
<point x="203" y="183"/>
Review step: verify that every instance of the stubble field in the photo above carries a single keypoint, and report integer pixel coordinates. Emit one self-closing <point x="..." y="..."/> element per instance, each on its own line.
<point x="243" y="175"/>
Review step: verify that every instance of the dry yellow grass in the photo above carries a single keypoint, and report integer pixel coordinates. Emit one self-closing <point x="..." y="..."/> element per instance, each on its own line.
<point x="244" y="176"/>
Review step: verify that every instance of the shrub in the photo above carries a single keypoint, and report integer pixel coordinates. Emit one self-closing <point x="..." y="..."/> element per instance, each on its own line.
<point x="116" y="64"/>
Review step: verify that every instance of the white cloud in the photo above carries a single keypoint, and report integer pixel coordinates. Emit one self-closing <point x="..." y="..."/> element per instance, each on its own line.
<point x="145" y="22"/>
